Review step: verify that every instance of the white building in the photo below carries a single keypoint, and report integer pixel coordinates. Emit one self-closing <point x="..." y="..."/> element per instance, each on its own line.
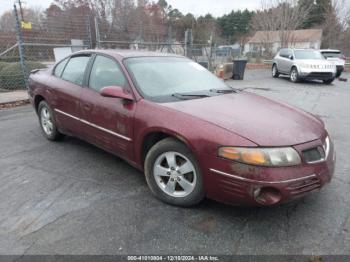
<point x="271" y="41"/>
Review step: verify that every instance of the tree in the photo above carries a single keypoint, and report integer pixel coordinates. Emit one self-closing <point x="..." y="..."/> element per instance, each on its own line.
<point x="318" y="12"/>
<point x="335" y="26"/>
<point x="235" y="25"/>
<point x="283" y="16"/>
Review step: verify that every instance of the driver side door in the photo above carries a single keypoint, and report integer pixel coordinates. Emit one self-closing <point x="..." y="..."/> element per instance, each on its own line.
<point x="107" y="122"/>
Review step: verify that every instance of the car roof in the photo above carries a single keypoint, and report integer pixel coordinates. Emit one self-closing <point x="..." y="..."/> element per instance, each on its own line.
<point x="119" y="53"/>
<point x="299" y="49"/>
<point x="330" y="50"/>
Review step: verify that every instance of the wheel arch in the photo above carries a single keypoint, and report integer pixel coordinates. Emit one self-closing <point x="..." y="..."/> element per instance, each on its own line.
<point x="152" y="137"/>
<point x="37" y="99"/>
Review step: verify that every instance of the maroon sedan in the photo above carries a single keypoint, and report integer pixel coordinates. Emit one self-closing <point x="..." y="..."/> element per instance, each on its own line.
<point x="191" y="134"/>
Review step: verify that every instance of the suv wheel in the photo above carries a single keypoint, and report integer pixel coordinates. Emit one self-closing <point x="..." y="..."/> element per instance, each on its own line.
<point x="173" y="175"/>
<point x="329" y="81"/>
<point x="294" y="75"/>
<point x="47" y="122"/>
<point x="275" y="73"/>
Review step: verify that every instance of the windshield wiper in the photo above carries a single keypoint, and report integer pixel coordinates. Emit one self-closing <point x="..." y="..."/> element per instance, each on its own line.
<point x="223" y="91"/>
<point x="189" y="96"/>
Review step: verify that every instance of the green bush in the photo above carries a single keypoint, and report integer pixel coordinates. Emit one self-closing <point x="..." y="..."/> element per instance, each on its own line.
<point x="2" y="65"/>
<point x="11" y="77"/>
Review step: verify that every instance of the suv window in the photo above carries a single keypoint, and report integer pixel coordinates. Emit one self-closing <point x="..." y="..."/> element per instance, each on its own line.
<point x="284" y="53"/>
<point x="105" y="72"/>
<point x="332" y="54"/>
<point x="59" y="68"/>
<point x="75" y="69"/>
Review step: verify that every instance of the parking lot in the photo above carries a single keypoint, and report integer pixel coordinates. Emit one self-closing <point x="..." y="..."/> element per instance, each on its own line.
<point x="71" y="198"/>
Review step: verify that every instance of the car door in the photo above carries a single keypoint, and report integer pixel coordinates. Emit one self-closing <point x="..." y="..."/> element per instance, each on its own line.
<point x="107" y="122"/>
<point x="67" y="89"/>
<point x="289" y="61"/>
<point x="283" y="61"/>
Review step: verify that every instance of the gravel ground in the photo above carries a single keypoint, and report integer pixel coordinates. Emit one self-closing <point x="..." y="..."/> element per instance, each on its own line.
<point x="72" y="198"/>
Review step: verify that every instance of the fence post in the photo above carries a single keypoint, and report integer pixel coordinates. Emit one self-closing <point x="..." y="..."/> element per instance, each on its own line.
<point x="88" y="30"/>
<point x="98" y="40"/>
<point x="188" y="43"/>
<point x="21" y="47"/>
<point x="170" y="39"/>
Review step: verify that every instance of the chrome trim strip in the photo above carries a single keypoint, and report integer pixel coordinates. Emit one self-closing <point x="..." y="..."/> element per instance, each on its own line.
<point x="95" y="126"/>
<point x="260" y="182"/>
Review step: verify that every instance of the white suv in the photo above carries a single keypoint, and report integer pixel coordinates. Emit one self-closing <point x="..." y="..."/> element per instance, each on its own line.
<point x="302" y="64"/>
<point x="336" y="57"/>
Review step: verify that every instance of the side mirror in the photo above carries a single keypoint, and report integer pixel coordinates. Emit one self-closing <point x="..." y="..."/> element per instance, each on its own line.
<point x="116" y="92"/>
<point x="291" y="57"/>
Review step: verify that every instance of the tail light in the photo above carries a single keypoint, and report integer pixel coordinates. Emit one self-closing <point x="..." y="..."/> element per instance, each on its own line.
<point x="343" y="57"/>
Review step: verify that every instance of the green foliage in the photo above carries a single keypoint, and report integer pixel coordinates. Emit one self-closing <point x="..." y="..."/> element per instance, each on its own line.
<point x="235" y="24"/>
<point x="11" y="77"/>
<point x="318" y="12"/>
<point x="2" y="65"/>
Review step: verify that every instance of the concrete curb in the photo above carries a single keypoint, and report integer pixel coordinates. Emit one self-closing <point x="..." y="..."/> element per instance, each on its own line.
<point x="14" y="104"/>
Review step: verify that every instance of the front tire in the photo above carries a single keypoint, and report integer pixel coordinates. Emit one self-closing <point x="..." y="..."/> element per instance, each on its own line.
<point x="294" y="75"/>
<point x="173" y="175"/>
<point x="47" y="122"/>
<point x="275" y="73"/>
<point x="329" y="81"/>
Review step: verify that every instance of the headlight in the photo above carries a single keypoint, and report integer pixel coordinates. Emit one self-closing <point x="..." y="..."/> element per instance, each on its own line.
<point x="262" y="156"/>
<point x="305" y="66"/>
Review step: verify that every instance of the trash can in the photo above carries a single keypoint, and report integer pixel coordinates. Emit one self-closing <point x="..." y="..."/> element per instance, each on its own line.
<point x="239" y="68"/>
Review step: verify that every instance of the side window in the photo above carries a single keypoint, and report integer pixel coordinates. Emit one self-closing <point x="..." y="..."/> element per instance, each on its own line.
<point x="105" y="72"/>
<point x="283" y="53"/>
<point x="75" y="69"/>
<point x="290" y="53"/>
<point x="59" y="68"/>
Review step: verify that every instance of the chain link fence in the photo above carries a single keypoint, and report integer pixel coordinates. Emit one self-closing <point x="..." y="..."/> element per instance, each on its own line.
<point x="23" y="49"/>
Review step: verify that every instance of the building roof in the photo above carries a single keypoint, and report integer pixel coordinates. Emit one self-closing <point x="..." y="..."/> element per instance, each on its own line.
<point x="306" y="35"/>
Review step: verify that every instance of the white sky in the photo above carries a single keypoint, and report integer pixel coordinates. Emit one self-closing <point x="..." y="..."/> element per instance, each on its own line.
<point x="196" y="7"/>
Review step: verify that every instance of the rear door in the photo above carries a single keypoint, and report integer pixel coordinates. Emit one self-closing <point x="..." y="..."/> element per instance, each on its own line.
<point x="107" y="122"/>
<point x="68" y="89"/>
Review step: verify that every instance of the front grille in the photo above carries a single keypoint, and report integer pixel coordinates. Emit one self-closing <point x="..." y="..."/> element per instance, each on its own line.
<point x="304" y="186"/>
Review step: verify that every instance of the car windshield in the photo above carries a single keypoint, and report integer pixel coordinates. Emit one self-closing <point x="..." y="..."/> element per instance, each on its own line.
<point x="162" y="78"/>
<point x="308" y="54"/>
<point x="332" y="54"/>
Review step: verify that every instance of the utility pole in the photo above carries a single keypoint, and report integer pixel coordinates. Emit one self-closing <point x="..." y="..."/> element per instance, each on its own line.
<point x="20" y="9"/>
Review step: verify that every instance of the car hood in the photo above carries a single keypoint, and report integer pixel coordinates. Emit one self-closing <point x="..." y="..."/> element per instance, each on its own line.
<point x="261" y="120"/>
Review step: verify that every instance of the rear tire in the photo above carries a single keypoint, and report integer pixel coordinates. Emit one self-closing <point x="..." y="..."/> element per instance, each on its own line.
<point x="294" y="75"/>
<point x="275" y="73"/>
<point x="173" y="175"/>
<point x="329" y="81"/>
<point x="47" y="122"/>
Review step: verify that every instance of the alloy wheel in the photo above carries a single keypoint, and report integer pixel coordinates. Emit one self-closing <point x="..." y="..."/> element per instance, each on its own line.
<point x="46" y="121"/>
<point x="175" y="174"/>
<point x="274" y="71"/>
<point x="294" y="75"/>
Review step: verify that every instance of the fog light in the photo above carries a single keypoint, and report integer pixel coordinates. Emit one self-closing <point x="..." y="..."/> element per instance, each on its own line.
<point x="267" y="196"/>
<point x="256" y="192"/>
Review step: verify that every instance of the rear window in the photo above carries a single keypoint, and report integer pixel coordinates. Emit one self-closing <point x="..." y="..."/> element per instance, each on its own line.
<point x="332" y="54"/>
<point x="75" y="69"/>
<point x="59" y="68"/>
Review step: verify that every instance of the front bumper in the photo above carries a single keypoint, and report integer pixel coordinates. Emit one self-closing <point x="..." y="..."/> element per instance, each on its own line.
<point x="317" y="75"/>
<point x="340" y="70"/>
<point x="240" y="184"/>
